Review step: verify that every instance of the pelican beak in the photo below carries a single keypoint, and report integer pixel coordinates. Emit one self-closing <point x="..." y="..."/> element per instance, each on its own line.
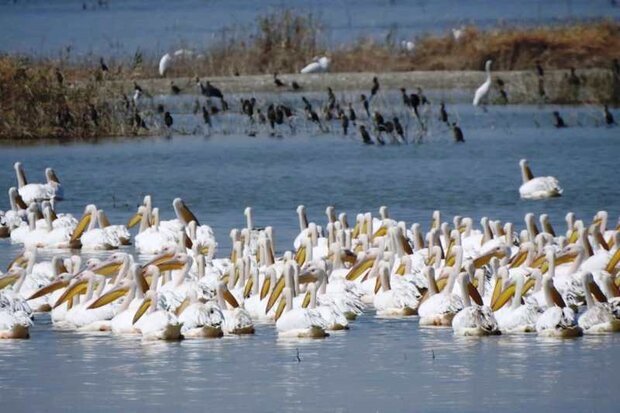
<point x="187" y="215"/>
<point x="50" y="288"/>
<point x="204" y="250"/>
<point x="160" y="259"/>
<point x="107" y="269"/>
<point x="529" y="284"/>
<point x="230" y="299"/>
<point x="170" y="265"/>
<point x="281" y="307"/>
<point x="300" y="255"/>
<point x="503" y="297"/>
<point x="306" y="302"/>
<point x="381" y="232"/>
<point x="613" y="261"/>
<point x="557" y="298"/>
<point x="186" y="302"/>
<point x="78" y="287"/>
<point x="497" y="290"/>
<point x="81" y="227"/>
<point x="134" y="220"/>
<point x="307" y="277"/>
<point x="518" y="259"/>
<point x="142" y="309"/>
<point x="598" y="294"/>
<point x="248" y="287"/>
<point x="485" y="258"/>
<point x="574" y="236"/>
<point x="265" y="290"/>
<point x="401" y="269"/>
<point x="566" y="257"/>
<point x="450" y="261"/>
<point x="19" y="261"/>
<point x="277" y="290"/>
<point x="462" y="229"/>
<point x="441" y="283"/>
<point x="360" y="268"/>
<point x="7" y="280"/>
<point x="356" y="231"/>
<point x="474" y="294"/>
<point x="430" y="260"/>
<point x="109" y="297"/>
<point x="349" y="257"/>
<point x="377" y="284"/>
<point x="539" y="261"/>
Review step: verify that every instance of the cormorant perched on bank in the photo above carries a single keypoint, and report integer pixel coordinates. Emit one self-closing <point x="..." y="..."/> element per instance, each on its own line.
<point x="559" y="122"/>
<point x="609" y="118"/>
<point x="365" y="136"/>
<point x="457" y="133"/>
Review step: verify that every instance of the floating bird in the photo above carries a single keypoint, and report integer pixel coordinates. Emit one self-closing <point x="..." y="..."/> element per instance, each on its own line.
<point x="174" y="88"/>
<point x="457" y="133"/>
<point x="609" y="118"/>
<point x="537" y="187"/>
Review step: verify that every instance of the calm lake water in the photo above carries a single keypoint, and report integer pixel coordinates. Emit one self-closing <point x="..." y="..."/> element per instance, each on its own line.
<point x="379" y="365"/>
<point x="46" y="27"/>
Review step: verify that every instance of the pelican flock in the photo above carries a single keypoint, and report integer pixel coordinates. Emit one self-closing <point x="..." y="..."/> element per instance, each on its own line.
<point x="478" y="281"/>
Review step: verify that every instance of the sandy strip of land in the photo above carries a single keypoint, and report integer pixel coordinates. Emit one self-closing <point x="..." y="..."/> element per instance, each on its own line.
<point x="596" y="85"/>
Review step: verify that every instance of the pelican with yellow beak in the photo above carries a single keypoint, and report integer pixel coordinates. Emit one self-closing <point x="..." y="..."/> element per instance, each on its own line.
<point x="558" y="320"/>
<point x="474" y="319"/>
<point x="401" y="301"/>
<point x="598" y="317"/>
<point x="14" y="324"/>
<point x="439" y="308"/>
<point x="237" y="320"/>
<point x="30" y="193"/>
<point x="297" y="322"/>
<point x="517" y="317"/>
<point x="537" y="187"/>
<point x="154" y="323"/>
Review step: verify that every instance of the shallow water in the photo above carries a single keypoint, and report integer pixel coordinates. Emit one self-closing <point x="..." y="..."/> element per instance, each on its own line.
<point x="380" y="364"/>
<point x="45" y="28"/>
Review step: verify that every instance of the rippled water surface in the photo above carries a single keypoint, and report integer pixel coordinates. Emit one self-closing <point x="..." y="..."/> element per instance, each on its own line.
<point x="380" y="364"/>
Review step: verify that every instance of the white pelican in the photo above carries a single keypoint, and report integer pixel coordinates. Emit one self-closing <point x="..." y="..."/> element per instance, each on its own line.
<point x="558" y="320"/>
<point x="38" y="192"/>
<point x="537" y="187"/>
<point x="318" y="65"/>
<point x="236" y="320"/>
<point x="483" y="90"/>
<point x="474" y="319"/>
<point x="598" y="317"/>
<point x="119" y="233"/>
<point x="153" y="239"/>
<point x="401" y="301"/>
<point x="155" y="324"/>
<point x="14" y="324"/>
<point x="201" y="320"/>
<point x="439" y="308"/>
<point x="297" y="322"/>
<point x="90" y="237"/>
<point x="516" y="318"/>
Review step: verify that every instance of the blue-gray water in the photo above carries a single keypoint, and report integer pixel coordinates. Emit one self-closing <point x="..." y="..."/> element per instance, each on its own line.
<point x="379" y="365"/>
<point x="47" y="27"/>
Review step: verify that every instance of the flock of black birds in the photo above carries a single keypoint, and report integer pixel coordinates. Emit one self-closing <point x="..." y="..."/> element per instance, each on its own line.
<point x="372" y="127"/>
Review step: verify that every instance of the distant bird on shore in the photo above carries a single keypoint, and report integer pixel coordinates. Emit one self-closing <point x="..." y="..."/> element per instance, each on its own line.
<point x="103" y="66"/>
<point x="165" y="63"/>
<point x="502" y="92"/>
<point x="539" y="69"/>
<point x="295" y="85"/>
<point x="206" y="117"/>
<point x="559" y="122"/>
<point x="174" y="88"/>
<point x="443" y="115"/>
<point x="573" y="79"/>
<point x="483" y="90"/>
<point x="344" y="121"/>
<point x="318" y="65"/>
<point x="406" y="100"/>
<point x="277" y="81"/>
<point x="375" y="87"/>
<point x="365" y="104"/>
<point x="211" y="91"/>
<point x="168" y="121"/>
<point x="398" y="128"/>
<point x="365" y="136"/>
<point x="352" y="115"/>
<point x="609" y="118"/>
<point x="60" y="78"/>
<point x="457" y="133"/>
